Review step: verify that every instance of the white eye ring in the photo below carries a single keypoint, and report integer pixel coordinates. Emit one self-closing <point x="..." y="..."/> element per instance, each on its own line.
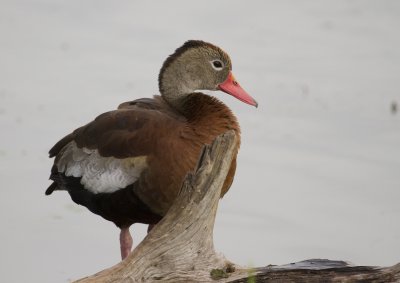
<point x="217" y="65"/>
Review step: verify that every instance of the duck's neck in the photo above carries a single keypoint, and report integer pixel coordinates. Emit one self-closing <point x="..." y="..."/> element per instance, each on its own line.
<point x="176" y="85"/>
<point x="176" y="96"/>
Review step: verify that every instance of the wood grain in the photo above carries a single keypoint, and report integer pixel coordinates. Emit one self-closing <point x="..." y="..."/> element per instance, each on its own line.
<point x="180" y="247"/>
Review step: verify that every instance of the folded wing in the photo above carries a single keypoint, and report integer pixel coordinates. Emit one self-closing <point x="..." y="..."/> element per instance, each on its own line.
<point x="111" y="152"/>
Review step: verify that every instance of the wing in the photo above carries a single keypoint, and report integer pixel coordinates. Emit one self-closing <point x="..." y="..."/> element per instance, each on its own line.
<point x="111" y="152"/>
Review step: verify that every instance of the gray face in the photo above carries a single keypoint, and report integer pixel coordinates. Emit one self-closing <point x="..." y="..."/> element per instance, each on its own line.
<point x="204" y="67"/>
<point x="196" y="65"/>
<point x="199" y="67"/>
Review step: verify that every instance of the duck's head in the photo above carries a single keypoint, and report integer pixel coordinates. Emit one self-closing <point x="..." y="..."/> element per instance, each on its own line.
<point x="198" y="65"/>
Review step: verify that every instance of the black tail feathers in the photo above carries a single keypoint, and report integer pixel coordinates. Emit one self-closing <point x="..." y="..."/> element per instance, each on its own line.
<point x="51" y="188"/>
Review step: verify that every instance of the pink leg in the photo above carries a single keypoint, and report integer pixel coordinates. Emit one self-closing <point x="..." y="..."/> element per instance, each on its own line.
<point x="125" y="240"/>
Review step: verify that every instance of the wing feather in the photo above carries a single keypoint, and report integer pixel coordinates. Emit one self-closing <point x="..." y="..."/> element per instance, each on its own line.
<point x="111" y="152"/>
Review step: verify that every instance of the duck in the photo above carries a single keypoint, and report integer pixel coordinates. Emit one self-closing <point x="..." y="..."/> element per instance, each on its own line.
<point x="128" y="164"/>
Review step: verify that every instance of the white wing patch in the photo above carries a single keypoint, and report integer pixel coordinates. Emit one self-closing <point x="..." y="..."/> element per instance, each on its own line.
<point x="99" y="174"/>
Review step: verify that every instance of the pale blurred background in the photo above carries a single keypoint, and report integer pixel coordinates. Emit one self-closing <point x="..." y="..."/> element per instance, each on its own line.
<point x="319" y="166"/>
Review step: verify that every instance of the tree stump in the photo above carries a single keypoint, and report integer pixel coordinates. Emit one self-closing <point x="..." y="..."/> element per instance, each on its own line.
<point x="180" y="247"/>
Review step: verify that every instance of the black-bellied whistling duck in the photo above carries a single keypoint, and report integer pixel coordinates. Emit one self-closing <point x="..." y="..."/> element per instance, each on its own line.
<point x="128" y="164"/>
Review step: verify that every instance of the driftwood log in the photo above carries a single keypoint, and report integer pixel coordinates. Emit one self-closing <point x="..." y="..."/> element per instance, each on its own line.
<point x="180" y="247"/>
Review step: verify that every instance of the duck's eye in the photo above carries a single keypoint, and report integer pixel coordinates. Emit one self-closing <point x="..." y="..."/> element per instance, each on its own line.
<point x="217" y="65"/>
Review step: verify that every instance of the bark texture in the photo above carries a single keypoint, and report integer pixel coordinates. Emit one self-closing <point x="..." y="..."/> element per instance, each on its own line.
<point x="180" y="247"/>
<point x="321" y="271"/>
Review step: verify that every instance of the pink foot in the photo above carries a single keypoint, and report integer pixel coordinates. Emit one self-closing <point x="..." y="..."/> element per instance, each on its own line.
<point x="126" y="242"/>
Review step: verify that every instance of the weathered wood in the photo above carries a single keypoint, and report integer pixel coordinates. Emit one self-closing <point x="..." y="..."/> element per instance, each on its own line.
<point x="322" y="270"/>
<point x="180" y="247"/>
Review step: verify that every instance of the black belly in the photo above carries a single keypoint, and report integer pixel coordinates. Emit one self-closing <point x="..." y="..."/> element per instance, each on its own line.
<point x="122" y="207"/>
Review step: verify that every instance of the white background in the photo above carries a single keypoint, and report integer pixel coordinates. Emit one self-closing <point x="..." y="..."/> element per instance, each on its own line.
<point x="319" y="167"/>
